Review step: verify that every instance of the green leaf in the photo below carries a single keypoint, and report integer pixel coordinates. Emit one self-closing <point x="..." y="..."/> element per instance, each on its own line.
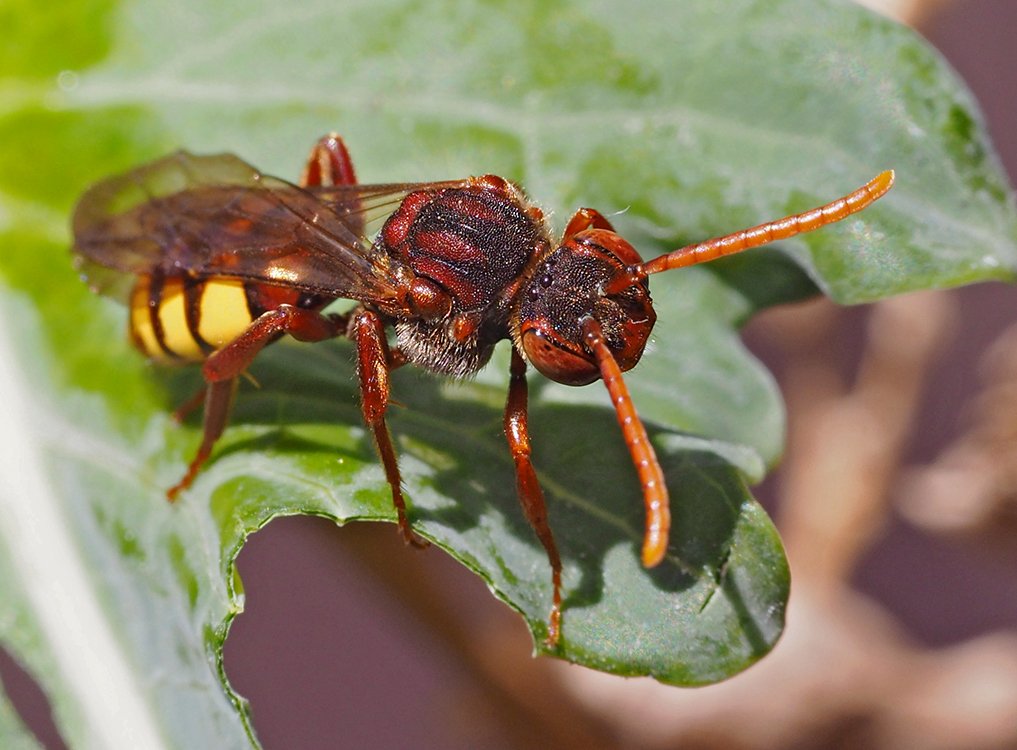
<point x="684" y="119"/>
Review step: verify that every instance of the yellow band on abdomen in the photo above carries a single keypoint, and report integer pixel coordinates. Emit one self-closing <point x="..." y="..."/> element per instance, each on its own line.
<point x="224" y="312"/>
<point x="221" y="314"/>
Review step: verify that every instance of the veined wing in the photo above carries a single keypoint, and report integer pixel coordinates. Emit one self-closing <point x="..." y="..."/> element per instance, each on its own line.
<point x="207" y="216"/>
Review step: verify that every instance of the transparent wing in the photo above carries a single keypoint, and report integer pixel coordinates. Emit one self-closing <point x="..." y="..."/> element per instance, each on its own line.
<point x="208" y="216"/>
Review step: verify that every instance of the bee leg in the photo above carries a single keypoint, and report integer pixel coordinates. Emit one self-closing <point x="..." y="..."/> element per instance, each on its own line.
<point x="531" y="497"/>
<point x="189" y="405"/>
<point x="329" y="165"/>
<point x="218" y="403"/>
<point x="373" y="366"/>
<point x="223" y="367"/>
<point x="586" y="218"/>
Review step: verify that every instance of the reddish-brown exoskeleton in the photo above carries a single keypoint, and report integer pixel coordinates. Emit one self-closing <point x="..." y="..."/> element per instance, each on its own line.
<point x="221" y="260"/>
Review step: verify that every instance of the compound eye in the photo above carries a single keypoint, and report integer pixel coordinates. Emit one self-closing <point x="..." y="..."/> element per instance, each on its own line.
<point x="557" y="359"/>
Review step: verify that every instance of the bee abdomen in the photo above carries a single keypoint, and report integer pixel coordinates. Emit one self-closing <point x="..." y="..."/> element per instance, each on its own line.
<point x="182" y="320"/>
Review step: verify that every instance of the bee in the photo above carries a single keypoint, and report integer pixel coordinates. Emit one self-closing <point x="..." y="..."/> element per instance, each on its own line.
<point x="217" y="260"/>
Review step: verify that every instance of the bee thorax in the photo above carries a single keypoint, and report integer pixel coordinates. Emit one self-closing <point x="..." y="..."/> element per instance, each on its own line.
<point x="435" y="346"/>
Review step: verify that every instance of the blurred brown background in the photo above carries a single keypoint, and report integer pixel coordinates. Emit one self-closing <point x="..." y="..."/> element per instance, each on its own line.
<point x="897" y="502"/>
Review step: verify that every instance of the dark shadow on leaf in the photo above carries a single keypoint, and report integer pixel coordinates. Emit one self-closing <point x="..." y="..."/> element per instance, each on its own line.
<point x="754" y="631"/>
<point x="593" y="494"/>
<point x="282" y="441"/>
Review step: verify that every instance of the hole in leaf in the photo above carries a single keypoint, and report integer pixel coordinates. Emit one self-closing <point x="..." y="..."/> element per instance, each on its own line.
<point x="323" y="652"/>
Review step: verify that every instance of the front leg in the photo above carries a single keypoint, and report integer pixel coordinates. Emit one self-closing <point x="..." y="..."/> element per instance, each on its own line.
<point x="531" y="496"/>
<point x="583" y="219"/>
<point x="373" y="365"/>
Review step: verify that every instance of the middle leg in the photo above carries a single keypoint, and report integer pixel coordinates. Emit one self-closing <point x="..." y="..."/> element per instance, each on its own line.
<point x="374" y="362"/>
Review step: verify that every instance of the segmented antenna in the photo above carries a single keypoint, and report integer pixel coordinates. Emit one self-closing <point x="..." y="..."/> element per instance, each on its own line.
<point x="762" y="234"/>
